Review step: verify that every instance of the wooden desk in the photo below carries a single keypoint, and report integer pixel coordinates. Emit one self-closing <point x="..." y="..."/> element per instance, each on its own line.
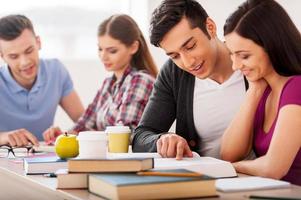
<point x="15" y="185"/>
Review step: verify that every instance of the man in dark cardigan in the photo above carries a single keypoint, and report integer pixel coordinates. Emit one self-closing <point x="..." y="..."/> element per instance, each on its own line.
<point x="196" y="86"/>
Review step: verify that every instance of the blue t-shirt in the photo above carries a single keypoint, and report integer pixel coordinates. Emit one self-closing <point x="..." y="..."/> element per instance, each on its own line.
<point x="33" y="109"/>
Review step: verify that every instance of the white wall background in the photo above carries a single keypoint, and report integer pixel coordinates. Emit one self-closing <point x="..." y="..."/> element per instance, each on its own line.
<point x="68" y="32"/>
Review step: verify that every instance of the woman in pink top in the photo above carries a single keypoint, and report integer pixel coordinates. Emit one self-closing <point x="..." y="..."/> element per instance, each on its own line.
<point x="266" y="46"/>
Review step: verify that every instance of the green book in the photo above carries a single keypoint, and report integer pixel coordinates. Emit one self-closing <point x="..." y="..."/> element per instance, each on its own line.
<point x="134" y="186"/>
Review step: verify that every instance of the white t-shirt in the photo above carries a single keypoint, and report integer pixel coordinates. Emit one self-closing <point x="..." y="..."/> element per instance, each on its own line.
<point x="214" y="106"/>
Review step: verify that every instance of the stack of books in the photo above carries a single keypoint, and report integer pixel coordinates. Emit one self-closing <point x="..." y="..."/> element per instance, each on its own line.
<point x="131" y="175"/>
<point x="76" y="174"/>
<point x="133" y="178"/>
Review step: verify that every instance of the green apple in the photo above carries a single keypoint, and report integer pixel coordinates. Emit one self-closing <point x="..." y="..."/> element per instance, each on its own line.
<point x="66" y="146"/>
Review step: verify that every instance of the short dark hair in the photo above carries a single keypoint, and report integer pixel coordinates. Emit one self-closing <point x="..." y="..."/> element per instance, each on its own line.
<point x="11" y="26"/>
<point x="267" y="24"/>
<point x="170" y="12"/>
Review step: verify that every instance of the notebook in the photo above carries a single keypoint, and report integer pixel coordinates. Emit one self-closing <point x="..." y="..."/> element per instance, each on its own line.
<point x="249" y="183"/>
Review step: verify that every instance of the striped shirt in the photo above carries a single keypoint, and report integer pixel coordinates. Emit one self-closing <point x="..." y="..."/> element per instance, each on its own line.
<point x="118" y="102"/>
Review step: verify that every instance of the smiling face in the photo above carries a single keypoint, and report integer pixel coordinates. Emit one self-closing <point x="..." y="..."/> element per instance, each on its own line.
<point x="115" y="55"/>
<point x="190" y="49"/>
<point x="22" y="57"/>
<point x="248" y="57"/>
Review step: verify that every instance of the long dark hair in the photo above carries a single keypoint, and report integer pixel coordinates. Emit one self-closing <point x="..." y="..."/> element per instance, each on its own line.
<point x="266" y="23"/>
<point x="125" y="29"/>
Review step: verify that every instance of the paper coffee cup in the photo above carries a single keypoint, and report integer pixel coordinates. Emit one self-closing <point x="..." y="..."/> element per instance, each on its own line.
<point x="92" y="144"/>
<point x="118" y="137"/>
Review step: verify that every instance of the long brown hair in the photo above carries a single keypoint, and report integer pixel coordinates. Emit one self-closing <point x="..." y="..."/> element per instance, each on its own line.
<point x="266" y="23"/>
<point x="125" y="29"/>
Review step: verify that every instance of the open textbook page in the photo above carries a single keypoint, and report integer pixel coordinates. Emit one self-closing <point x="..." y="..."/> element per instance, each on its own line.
<point x="205" y="165"/>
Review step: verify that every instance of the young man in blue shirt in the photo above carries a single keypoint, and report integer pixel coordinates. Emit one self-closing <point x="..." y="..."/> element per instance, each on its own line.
<point x="30" y="88"/>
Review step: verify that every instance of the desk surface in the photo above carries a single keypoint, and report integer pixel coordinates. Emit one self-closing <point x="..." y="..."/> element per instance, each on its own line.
<point x="15" y="185"/>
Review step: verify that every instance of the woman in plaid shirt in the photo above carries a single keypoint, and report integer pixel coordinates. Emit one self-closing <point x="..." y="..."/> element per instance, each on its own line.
<point x="122" y="97"/>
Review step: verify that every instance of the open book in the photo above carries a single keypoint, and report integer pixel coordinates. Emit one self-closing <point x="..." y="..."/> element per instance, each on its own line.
<point x="205" y="165"/>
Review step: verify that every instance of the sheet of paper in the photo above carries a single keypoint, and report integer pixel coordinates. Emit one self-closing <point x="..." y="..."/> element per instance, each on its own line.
<point x="249" y="183"/>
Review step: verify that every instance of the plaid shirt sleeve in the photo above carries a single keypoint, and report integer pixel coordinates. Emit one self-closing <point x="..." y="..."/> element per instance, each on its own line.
<point x="134" y="100"/>
<point x="88" y="120"/>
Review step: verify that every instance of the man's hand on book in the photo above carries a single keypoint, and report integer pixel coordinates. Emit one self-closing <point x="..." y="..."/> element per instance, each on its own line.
<point x="171" y="145"/>
<point x="19" y="138"/>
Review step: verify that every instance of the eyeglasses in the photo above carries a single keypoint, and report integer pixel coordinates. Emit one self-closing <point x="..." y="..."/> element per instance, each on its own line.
<point x="17" y="152"/>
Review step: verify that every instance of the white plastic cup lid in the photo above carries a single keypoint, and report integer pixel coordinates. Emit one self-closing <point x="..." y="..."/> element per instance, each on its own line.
<point x="118" y="129"/>
<point x="92" y="135"/>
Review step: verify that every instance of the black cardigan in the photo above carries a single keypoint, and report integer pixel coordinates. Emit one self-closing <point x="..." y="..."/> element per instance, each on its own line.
<point x="172" y="98"/>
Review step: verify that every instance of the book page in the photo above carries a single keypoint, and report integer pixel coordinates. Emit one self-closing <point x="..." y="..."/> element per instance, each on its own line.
<point x="204" y="165"/>
<point x="132" y="155"/>
<point x="196" y="156"/>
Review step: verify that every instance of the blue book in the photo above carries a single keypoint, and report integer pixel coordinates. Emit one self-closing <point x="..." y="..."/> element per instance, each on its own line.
<point x="43" y="165"/>
<point x="134" y="186"/>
